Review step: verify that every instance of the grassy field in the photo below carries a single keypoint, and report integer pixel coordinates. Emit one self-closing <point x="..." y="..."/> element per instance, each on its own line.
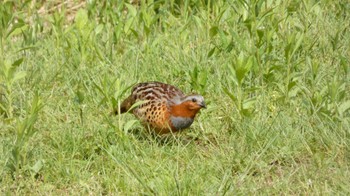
<point x="275" y="76"/>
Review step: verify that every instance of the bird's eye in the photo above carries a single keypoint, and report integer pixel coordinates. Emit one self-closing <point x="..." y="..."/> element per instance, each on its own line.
<point x="194" y="100"/>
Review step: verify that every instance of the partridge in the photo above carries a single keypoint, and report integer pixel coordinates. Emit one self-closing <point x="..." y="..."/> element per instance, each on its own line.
<point x="164" y="109"/>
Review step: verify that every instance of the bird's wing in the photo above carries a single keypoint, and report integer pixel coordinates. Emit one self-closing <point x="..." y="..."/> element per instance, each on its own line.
<point x="151" y="91"/>
<point x="155" y="91"/>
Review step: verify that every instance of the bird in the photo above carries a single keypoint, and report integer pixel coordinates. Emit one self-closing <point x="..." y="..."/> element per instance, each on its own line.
<point x="163" y="107"/>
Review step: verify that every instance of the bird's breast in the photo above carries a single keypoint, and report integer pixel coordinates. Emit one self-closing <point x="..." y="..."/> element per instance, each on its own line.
<point x="181" y="122"/>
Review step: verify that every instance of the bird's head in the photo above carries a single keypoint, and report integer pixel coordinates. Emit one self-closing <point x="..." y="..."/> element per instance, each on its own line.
<point x="194" y="102"/>
<point x="188" y="106"/>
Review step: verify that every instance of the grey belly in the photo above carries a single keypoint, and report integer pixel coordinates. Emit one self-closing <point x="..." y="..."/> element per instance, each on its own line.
<point x="181" y="122"/>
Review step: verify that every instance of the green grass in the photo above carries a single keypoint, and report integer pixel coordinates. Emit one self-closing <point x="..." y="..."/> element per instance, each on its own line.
<point x="275" y="76"/>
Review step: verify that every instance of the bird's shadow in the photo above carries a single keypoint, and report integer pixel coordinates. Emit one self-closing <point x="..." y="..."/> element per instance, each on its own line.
<point x="169" y="139"/>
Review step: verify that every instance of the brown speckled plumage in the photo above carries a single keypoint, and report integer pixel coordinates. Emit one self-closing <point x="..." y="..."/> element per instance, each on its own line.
<point x="165" y="108"/>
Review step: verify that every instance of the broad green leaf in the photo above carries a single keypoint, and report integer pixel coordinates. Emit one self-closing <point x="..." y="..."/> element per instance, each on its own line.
<point x="344" y="107"/>
<point x="17" y="62"/>
<point x="232" y="75"/>
<point x="80" y="96"/>
<point x="17" y="29"/>
<point x="243" y="66"/>
<point x="19" y="75"/>
<point x="213" y="31"/>
<point x="127" y="25"/>
<point x="37" y="166"/>
<point x="249" y="103"/>
<point x="211" y="52"/>
<point x="231" y="95"/>
<point x="131" y="9"/>
<point x="297" y="45"/>
<point x="129" y="124"/>
<point x="81" y="18"/>
<point x="99" y="29"/>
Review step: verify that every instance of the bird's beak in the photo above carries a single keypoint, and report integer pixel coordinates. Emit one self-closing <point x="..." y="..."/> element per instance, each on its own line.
<point x="202" y="104"/>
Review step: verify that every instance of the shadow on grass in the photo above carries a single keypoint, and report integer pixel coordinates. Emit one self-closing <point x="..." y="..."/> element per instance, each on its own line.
<point x="170" y="139"/>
